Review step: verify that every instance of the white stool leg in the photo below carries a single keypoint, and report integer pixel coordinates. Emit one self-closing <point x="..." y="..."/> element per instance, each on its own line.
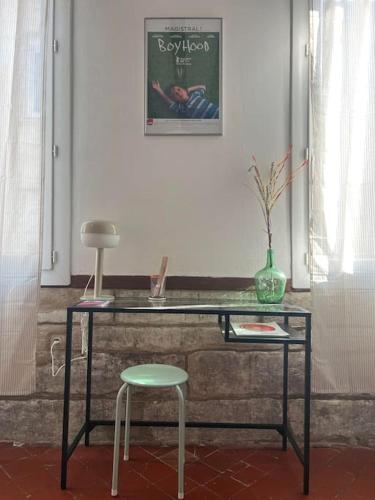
<point x="116" y="445"/>
<point x="127" y="423"/>
<point x="181" y="440"/>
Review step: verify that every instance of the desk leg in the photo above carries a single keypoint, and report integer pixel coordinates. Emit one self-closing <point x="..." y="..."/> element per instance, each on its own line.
<point x="227" y="323"/>
<point x="88" y="381"/>
<point x="65" y="435"/>
<point x="285" y="396"/>
<point x="306" y="451"/>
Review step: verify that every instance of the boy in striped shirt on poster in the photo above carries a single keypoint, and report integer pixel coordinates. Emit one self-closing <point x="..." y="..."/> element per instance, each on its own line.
<point x="189" y="103"/>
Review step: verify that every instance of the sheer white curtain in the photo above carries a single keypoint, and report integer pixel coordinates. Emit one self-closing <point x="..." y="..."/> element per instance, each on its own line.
<point x="22" y="49"/>
<point x="343" y="195"/>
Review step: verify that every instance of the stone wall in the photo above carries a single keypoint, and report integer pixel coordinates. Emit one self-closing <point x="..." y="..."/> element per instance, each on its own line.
<point x="228" y="382"/>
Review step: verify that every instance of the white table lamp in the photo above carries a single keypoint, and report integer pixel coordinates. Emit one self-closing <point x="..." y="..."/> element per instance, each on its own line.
<point x="99" y="234"/>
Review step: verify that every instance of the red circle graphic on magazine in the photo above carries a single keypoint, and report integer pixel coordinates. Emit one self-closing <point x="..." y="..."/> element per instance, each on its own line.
<point x="257" y="327"/>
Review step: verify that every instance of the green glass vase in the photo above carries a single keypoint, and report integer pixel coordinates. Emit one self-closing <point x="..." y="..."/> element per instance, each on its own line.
<point x="270" y="282"/>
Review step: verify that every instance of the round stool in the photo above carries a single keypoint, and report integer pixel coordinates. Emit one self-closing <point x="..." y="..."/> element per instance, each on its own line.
<point x="154" y="375"/>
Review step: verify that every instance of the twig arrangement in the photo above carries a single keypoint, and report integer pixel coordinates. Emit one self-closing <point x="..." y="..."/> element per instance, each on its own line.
<point x="271" y="188"/>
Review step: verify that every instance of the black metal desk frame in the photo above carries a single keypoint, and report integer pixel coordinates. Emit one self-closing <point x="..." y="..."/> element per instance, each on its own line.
<point x="224" y="310"/>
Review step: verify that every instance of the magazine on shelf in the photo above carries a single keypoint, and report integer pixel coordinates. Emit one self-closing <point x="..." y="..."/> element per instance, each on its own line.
<point x="259" y="330"/>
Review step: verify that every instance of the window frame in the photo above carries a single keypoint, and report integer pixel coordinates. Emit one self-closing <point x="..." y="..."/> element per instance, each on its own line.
<point x="299" y="134"/>
<point x="56" y="262"/>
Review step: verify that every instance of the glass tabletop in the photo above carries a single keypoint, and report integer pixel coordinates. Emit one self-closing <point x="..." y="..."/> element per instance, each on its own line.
<point x="188" y="305"/>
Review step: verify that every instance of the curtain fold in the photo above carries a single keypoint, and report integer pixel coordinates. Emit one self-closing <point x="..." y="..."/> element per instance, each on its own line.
<point x="343" y="195"/>
<point x="22" y="63"/>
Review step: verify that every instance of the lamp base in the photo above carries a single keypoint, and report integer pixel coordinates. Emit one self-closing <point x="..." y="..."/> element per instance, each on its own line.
<point x="90" y="296"/>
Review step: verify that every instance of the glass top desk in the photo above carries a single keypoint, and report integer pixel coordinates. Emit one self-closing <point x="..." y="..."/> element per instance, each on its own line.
<point x="224" y="310"/>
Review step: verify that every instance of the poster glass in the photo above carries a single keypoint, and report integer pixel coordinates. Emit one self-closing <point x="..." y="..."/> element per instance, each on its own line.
<point x="183" y="66"/>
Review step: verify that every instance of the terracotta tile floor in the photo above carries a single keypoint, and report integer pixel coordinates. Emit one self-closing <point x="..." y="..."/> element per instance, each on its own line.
<point x="211" y="474"/>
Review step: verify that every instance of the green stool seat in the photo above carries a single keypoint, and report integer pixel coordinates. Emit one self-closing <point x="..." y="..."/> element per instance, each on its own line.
<point x="154" y="375"/>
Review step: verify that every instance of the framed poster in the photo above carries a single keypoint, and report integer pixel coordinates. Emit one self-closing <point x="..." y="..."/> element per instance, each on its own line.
<point x="183" y="76"/>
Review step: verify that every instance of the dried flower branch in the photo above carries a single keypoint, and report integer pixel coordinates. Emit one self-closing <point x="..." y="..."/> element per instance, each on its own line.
<point x="271" y="188"/>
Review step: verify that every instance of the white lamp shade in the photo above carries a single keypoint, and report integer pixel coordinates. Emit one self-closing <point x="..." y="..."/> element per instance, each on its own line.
<point x="99" y="234"/>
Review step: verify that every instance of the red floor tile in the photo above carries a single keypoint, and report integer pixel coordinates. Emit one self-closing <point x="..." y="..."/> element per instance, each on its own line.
<point x="200" y="472"/>
<point x="46" y="451"/>
<point x="4" y="476"/>
<point x="10" y="491"/>
<point x="171" y="458"/>
<point x="9" y="453"/>
<point x="225" y="486"/>
<point x="249" y="494"/>
<point x="48" y="494"/>
<point x="249" y="475"/>
<point x="86" y="455"/>
<point x="201" y="451"/>
<point x="133" y="486"/>
<point x="331" y="481"/>
<point x="38" y="482"/>
<point x="367" y="471"/>
<point x="23" y="467"/>
<point x="353" y="459"/>
<point x="170" y="485"/>
<point x="138" y="453"/>
<point x="33" y="473"/>
<point x="321" y="457"/>
<point x="265" y="460"/>
<point x="152" y="471"/>
<point x="282" y="484"/>
<point x="131" y="483"/>
<point x="201" y="493"/>
<point x="157" y="451"/>
<point x="225" y="459"/>
<point x="360" y="489"/>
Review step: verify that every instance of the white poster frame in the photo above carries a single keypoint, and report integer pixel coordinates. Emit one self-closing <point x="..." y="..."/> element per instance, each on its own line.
<point x="185" y="125"/>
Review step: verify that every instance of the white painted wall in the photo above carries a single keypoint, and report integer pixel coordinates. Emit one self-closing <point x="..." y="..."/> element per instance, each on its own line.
<point x="185" y="197"/>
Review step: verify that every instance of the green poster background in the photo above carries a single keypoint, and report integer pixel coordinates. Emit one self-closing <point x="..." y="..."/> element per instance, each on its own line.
<point x="204" y="68"/>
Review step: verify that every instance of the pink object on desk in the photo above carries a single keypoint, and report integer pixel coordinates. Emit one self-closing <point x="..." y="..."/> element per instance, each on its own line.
<point x="95" y="303"/>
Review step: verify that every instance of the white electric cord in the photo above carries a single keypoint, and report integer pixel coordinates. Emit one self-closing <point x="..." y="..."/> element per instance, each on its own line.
<point x="57" y="371"/>
<point x="84" y="293"/>
<point x="84" y="333"/>
<point x="84" y="341"/>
